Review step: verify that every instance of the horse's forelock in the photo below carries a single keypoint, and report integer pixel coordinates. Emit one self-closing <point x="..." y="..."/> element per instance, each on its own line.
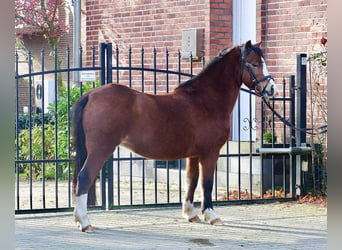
<point x="257" y="50"/>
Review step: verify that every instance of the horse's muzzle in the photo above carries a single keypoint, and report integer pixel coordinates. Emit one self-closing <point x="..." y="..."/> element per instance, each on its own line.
<point x="270" y="89"/>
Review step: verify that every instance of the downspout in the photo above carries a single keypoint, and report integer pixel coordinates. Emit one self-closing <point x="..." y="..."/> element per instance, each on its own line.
<point x="266" y="26"/>
<point x="76" y="38"/>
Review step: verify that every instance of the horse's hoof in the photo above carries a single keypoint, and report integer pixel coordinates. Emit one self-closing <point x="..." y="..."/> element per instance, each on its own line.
<point x="88" y="229"/>
<point x="216" y="222"/>
<point x="195" y="219"/>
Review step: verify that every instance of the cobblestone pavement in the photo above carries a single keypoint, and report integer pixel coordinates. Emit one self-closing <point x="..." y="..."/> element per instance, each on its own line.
<point x="260" y="226"/>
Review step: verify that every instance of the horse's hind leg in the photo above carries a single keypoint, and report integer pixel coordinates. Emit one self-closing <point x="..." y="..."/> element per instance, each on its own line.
<point x="86" y="177"/>
<point x="80" y="213"/>
<point x="192" y="173"/>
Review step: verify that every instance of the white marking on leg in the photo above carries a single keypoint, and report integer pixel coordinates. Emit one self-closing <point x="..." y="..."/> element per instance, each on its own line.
<point x="210" y="215"/>
<point x="189" y="210"/>
<point x="80" y="211"/>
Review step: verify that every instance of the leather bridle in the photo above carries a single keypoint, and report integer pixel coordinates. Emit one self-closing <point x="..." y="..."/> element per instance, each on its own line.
<point x="256" y="82"/>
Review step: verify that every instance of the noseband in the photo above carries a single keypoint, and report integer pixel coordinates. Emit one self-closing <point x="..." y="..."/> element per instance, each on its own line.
<point x="256" y="82"/>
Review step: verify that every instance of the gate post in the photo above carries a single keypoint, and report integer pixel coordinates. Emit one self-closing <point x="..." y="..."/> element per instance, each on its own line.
<point x="301" y="118"/>
<point x="109" y="63"/>
<point x="102" y="55"/>
<point x="293" y="137"/>
<point x="105" y="78"/>
<point x="110" y="187"/>
<point x="103" y="63"/>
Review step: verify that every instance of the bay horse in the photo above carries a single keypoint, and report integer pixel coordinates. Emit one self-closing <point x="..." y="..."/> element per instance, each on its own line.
<point x="192" y="122"/>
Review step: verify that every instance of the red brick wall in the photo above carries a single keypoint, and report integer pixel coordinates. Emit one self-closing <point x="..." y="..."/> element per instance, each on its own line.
<point x="221" y="31"/>
<point x="157" y="24"/>
<point x="287" y="28"/>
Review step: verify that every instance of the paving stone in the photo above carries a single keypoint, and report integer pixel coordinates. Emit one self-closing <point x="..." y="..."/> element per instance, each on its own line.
<point x="260" y="226"/>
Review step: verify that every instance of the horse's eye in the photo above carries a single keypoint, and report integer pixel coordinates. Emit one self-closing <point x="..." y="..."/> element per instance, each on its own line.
<point x="255" y="65"/>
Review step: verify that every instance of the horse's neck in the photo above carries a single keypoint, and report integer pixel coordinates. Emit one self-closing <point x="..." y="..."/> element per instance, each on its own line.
<point x="218" y="85"/>
<point x="222" y="81"/>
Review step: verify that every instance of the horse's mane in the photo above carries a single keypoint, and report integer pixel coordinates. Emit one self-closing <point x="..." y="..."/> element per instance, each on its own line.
<point x="224" y="52"/>
<point x="216" y="59"/>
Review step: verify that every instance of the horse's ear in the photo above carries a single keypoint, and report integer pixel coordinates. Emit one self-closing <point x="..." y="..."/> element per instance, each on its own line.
<point x="258" y="44"/>
<point x="248" y="45"/>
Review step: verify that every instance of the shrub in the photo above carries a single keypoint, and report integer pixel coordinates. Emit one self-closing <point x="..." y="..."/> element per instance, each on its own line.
<point x="37" y="120"/>
<point x="60" y="120"/>
<point x="268" y="137"/>
<point x="37" y="148"/>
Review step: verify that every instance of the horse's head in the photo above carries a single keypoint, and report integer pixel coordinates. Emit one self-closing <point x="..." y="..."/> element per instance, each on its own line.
<point x="254" y="73"/>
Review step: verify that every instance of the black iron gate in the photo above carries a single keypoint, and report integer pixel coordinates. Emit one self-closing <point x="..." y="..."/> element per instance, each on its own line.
<point x="247" y="171"/>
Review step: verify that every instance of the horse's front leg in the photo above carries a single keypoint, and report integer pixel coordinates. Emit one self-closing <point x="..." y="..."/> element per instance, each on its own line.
<point x="207" y="167"/>
<point x="192" y="173"/>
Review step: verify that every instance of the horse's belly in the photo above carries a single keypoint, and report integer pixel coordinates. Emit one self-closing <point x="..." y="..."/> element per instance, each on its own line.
<point x="158" y="149"/>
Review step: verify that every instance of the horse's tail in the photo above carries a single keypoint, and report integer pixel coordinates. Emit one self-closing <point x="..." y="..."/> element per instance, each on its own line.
<point x="79" y="145"/>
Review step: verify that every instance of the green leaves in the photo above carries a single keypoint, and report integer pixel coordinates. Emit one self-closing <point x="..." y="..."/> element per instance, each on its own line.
<point x="320" y="57"/>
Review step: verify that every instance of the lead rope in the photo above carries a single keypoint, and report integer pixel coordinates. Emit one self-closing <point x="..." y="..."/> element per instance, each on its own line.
<point x="324" y="128"/>
<point x="286" y="122"/>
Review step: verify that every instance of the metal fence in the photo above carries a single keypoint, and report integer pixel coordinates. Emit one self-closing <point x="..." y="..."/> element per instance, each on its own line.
<point x="43" y="164"/>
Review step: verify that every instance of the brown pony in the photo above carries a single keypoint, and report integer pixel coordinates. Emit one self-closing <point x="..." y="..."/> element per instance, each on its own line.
<point x="192" y="122"/>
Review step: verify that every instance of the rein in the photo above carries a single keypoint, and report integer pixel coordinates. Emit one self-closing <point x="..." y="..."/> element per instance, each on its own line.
<point x="256" y="81"/>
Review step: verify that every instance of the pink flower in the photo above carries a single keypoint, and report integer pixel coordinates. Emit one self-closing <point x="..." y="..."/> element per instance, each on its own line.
<point x="44" y="20"/>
